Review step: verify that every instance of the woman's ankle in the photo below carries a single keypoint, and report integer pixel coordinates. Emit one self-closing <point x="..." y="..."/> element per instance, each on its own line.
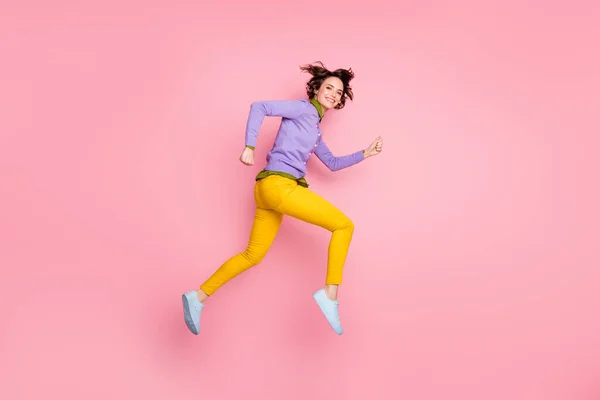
<point x="331" y="291"/>
<point x="201" y="295"/>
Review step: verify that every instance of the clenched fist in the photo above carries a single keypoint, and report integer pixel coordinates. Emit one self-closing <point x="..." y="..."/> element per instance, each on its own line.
<point x="374" y="148"/>
<point x="247" y="156"/>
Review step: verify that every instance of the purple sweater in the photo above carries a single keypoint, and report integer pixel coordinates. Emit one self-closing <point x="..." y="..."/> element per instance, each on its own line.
<point x="298" y="137"/>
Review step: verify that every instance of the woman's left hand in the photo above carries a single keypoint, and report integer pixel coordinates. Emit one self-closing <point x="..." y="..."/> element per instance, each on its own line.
<point x="374" y="148"/>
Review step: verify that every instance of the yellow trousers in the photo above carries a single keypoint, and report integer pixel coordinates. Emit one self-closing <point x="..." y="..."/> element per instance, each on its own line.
<point x="276" y="196"/>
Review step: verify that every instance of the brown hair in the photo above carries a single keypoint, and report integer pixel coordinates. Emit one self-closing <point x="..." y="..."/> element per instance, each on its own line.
<point x="320" y="73"/>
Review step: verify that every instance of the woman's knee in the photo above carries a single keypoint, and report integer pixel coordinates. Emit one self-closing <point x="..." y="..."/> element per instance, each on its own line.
<point x="254" y="256"/>
<point x="347" y="225"/>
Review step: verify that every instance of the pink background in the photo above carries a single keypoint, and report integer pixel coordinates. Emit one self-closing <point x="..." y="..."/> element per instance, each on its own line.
<point x="473" y="273"/>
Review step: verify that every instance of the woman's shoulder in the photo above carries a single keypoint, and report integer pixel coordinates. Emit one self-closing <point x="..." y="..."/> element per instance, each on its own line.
<point x="299" y="103"/>
<point x="290" y="109"/>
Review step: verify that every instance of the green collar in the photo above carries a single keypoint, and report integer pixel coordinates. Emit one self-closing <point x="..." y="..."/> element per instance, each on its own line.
<point x="315" y="103"/>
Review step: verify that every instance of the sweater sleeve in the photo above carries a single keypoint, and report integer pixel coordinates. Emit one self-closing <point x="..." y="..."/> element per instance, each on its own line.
<point x="278" y="108"/>
<point x="336" y="163"/>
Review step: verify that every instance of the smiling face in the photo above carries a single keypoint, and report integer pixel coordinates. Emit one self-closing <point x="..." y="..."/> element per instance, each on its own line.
<point x="330" y="93"/>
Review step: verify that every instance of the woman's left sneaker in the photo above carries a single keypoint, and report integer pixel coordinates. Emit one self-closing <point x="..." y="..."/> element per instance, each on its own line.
<point x="330" y="310"/>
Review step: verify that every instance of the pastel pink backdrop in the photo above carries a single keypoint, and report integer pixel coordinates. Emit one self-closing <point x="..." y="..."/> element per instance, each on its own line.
<point x="473" y="273"/>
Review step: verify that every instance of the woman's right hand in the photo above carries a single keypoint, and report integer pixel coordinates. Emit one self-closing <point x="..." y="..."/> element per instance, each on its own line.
<point x="247" y="156"/>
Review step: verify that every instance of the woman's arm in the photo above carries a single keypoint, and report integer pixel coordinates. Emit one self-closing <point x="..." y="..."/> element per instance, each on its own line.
<point x="336" y="163"/>
<point x="278" y="108"/>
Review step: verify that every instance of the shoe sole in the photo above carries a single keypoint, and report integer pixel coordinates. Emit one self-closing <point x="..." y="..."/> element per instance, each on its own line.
<point x="189" y="322"/>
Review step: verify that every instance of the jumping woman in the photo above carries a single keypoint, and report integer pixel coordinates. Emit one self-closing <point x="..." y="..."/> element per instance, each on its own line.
<point x="281" y="189"/>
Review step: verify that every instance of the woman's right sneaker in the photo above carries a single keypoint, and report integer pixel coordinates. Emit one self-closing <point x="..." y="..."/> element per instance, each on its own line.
<point x="192" y="308"/>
